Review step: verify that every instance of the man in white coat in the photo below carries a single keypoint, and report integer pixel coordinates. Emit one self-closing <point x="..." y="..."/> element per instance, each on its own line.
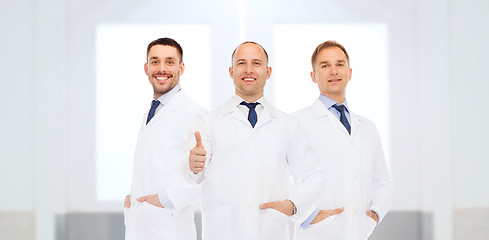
<point x="359" y="189"/>
<point x="160" y="203"/>
<point x="244" y="154"/>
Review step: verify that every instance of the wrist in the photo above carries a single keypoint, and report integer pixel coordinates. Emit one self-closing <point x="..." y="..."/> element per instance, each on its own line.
<point x="294" y="208"/>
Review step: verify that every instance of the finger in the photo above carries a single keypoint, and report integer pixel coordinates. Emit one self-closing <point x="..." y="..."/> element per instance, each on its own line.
<point x="339" y="210"/>
<point x="198" y="151"/>
<point x="196" y="164"/>
<point x="197" y="170"/>
<point x="197" y="158"/>
<point x="141" y="199"/>
<point x="267" y="205"/>
<point x="199" y="164"/>
<point x="198" y="139"/>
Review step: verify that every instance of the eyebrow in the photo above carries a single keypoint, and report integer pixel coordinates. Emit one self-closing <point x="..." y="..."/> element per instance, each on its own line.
<point x="242" y="59"/>
<point x="168" y="58"/>
<point x="339" y="61"/>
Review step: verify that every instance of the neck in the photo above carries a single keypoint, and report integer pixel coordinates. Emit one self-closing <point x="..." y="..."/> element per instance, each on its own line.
<point x="250" y="98"/>
<point x="157" y="95"/>
<point x="337" y="98"/>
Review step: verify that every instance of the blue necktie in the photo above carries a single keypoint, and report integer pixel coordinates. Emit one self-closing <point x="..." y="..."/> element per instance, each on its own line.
<point x="152" y="111"/>
<point x="343" y="119"/>
<point x="252" y="113"/>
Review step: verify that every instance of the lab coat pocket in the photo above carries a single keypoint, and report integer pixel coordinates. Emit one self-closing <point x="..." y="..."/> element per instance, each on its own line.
<point x="217" y="223"/>
<point x="326" y="229"/>
<point x="156" y="219"/>
<point x="126" y="215"/>
<point x="324" y="222"/>
<point x="276" y="225"/>
<point x="369" y="226"/>
<point x="131" y="214"/>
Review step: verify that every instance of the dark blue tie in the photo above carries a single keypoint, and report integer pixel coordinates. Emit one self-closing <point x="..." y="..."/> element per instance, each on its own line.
<point x="252" y="113"/>
<point x="152" y="111"/>
<point x="343" y="119"/>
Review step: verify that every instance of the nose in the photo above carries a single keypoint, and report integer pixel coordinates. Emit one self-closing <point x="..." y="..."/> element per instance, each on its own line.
<point x="162" y="68"/>
<point x="249" y="68"/>
<point x="333" y="70"/>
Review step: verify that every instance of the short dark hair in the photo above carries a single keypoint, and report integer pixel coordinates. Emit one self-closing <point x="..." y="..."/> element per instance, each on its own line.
<point x="328" y="44"/>
<point x="166" y="42"/>
<point x="232" y="56"/>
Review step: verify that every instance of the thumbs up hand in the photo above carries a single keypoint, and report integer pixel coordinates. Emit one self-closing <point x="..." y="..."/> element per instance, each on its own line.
<point x="197" y="155"/>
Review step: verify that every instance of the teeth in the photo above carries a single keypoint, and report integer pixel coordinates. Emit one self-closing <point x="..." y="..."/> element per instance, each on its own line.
<point x="249" y="79"/>
<point x="161" y="78"/>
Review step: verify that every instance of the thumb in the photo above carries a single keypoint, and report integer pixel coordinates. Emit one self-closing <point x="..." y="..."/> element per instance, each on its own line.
<point x="198" y="139"/>
<point x="141" y="199"/>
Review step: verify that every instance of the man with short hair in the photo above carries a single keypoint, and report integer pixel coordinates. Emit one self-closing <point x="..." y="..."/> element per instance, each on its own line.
<point x="359" y="190"/>
<point x="244" y="154"/>
<point x="160" y="203"/>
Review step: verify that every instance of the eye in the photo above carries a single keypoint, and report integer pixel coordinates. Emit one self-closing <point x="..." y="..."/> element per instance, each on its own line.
<point x="169" y="62"/>
<point x="341" y="64"/>
<point x="257" y="63"/>
<point x="324" y="66"/>
<point x="154" y="62"/>
<point x="240" y="63"/>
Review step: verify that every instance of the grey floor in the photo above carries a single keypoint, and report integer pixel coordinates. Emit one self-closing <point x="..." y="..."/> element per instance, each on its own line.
<point x="108" y="226"/>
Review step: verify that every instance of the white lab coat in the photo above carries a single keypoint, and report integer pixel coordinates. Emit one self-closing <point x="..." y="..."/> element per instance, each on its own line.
<point x="358" y="178"/>
<point x="157" y="168"/>
<point x="248" y="166"/>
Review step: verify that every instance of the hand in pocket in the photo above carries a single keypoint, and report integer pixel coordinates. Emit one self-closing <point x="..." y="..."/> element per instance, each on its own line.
<point x="323" y="214"/>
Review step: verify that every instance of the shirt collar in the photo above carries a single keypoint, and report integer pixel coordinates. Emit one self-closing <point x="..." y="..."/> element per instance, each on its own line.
<point x="236" y="100"/>
<point x="166" y="98"/>
<point x="328" y="102"/>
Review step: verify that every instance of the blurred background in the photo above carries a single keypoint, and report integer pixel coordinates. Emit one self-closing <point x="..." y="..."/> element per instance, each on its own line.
<point x="73" y="93"/>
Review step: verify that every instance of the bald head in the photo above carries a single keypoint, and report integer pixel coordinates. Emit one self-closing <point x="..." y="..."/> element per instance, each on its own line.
<point x="249" y="42"/>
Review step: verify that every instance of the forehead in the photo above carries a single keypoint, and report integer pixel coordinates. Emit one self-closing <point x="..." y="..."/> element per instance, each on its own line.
<point x="249" y="51"/>
<point x="163" y="51"/>
<point x="331" y="54"/>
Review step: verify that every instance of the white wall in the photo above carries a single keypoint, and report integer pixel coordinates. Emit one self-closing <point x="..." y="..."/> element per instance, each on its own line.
<point x="432" y="115"/>
<point x="17" y="101"/>
<point x="469" y="98"/>
<point x="437" y="74"/>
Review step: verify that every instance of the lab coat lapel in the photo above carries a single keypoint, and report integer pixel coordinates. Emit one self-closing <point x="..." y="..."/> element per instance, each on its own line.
<point x="356" y="123"/>
<point x="240" y="116"/>
<point x="267" y="114"/>
<point x="231" y="108"/>
<point x="320" y="111"/>
<point x="167" y="109"/>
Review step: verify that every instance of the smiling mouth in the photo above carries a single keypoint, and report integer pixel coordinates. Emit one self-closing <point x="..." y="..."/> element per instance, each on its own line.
<point x="334" y="80"/>
<point x="162" y="78"/>
<point x="248" y="79"/>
